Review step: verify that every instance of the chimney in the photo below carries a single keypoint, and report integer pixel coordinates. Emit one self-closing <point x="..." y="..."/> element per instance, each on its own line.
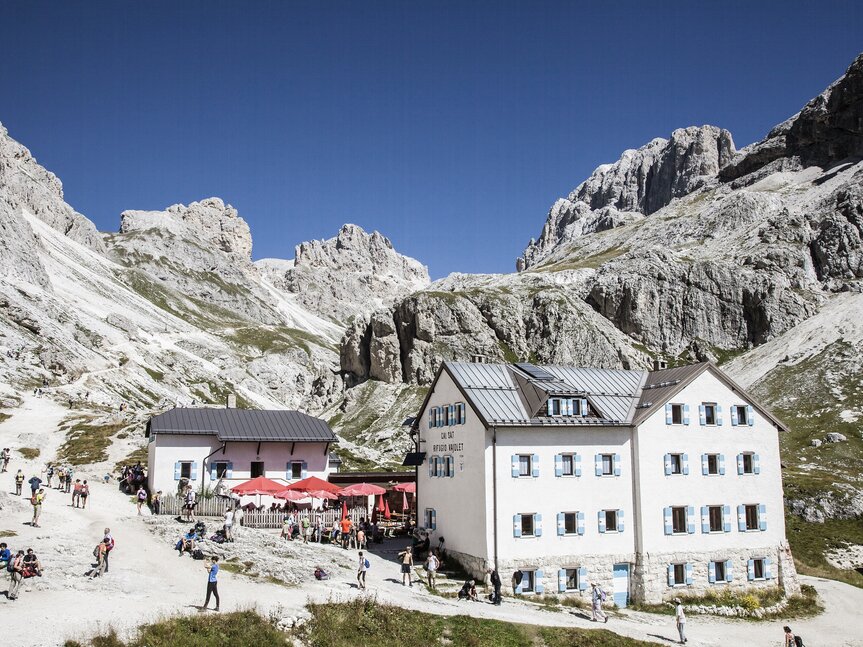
<point x="659" y="364"/>
<point x="479" y="359"/>
<point x="232" y="401"/>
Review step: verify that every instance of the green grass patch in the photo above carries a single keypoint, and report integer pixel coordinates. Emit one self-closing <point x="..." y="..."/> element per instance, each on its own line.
<point x="274" y="339"/>
<point x="87" y="443"/>
<point x="810" y="541"/>
<point x="29" y="452"/>
<point x="4" y="417"/>
<point x="366" y="622"/>
<point x="593" y="261"/>
<point x="238" y="629"/>
<point x="157" y="376"/>
<point x="7" y="533"/>
<point x="139" y="455"/>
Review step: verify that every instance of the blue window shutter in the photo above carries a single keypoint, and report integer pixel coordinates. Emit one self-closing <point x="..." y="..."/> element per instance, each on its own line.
<point x="620" y="521"/>
<point x="516" y="525"/>
<point x="750" y="415"/>
<point x="431" y="466"/>
<point x="212" y="471"/>
<point x="726" y="518"/>
<point x="515" y="469"/>
<point x="561" y="580"/>
<point x="439" y="465"/>
<point x="288" y="476"/>
<point x="685" y="414"/>
<point x="538" y="586"/>
<point x="617" y="464"/>
<point x="550" y="407"/>
<point x="668" y="418"/>
<point x="177" y="469"/>
<point x="685" y="464"/>
<point x="452" y="466"/>
<point x="722" y="464"/>
<point x="597" y="464"/>
<point x="728" y="575"/>
<point x="463" y="413"/>
<point x="579" y="522"/>
<point x="561" y="524"/>
<point x="750" y="569"/>
<point x="718" y="415"/>
<point x="537" y="525"/>
<point x="733" y="416"/>
<point x="667" y="461"/>
<point x="434" y="519"/>
<point x="702" y="418"/>
<point x="688" y="573"/>
<point x="768" y="572"/>
<point x="558" y="465"/>
<point x="582" y="578"/>
<point x="535" y="465"/>
<point x="690" y="519"/>
<point x="666" y="518"/>
<point x="756" y="464"/>
<point x="583" y="407"/>
<point x="671" y="575"/>
<point x="740" y="463"/>
<point x="194" y="475"/>
<point x="704" y="471"/>
<point x="762" y="517"/>
<point x="577" y="460"/>
<point x="567" y="407"/>
<point x="431" y="418"/>
<point x="230" y="472"/>
<point x="305" y="469"/>
<point x="600" y="516"/>
<point x="711" y="572"/>
<point x="741" y="518"/>
<point x="705" y="519"/>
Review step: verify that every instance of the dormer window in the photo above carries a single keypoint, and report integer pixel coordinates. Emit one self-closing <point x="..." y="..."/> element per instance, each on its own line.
<point x="558" y="407"/>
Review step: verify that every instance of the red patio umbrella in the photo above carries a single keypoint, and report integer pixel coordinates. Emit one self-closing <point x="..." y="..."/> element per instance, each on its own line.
<point x="362" y="489"/>
<point x="405" y="487"/>
<point x="386" y="509"/>
<point x="291" y="495"/>
<point x="258" y="485"/>
<point x="344" y="510"/>
<point x="314" y="483"/>
<point x="323" y="494"/>
<point x="381" y="503"/>
<point x="405" y="505"/>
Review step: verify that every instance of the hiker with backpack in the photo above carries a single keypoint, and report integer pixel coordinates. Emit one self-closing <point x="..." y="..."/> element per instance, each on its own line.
<point x="4" y="459"/>
<point x="597" y="596"/>
<point x="36" y="501"/>
<point x="76" y="493"/>
<point x="85" y="492"/>
<point x="141" y="497"/>
<point x="19" y="481"/>
<point x="101" y="555"/>
<point x="16" y="569"/>
<point x="5" y="555"/>
<point x="361" y="571"/>
<point x="790" y="639"/>
<point x="109" y="542"/>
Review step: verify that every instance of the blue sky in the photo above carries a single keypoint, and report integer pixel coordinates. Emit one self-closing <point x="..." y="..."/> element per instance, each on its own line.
<point x="450" y="127"/>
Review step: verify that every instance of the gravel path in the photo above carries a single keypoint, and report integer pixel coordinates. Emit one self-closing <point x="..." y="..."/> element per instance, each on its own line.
<point x="148" y="581"/>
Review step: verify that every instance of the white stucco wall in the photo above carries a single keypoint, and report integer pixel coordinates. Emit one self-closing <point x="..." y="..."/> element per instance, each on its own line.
<point x="166" y="449"/>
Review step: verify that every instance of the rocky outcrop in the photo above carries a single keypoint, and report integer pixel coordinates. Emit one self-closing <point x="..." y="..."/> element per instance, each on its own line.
<point x="27" y="186"/>
<point x="642" y="181"/>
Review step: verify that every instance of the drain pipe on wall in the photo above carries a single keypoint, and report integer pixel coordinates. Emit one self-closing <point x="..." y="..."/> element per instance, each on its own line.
<point x="204" y="465"/>
<point x="494" y="488"/>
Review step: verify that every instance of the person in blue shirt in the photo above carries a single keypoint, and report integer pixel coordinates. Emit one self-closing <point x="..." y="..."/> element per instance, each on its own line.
<point x="212" y="582"/>
<point x="5" y="555"/>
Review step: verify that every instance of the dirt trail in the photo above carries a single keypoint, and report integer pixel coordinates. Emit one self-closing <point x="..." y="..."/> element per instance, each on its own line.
<point x="148" y="581"/>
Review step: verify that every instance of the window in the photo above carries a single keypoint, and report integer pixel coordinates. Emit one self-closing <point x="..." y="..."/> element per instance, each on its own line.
<point x="221" y="469"/>
<point x="676" y="414"/>
<point x="739" y="414"/>
<point x="555" y="407"/>
<point x="716" y="521"/>
<point x="186" y="470"/>
<point x="610" y="520"/>
<point x="527" y="525"/>
<point x="571" y="579"/>
<point x="257" y="469"/>
<point x="678" y="520"/>
<point x="296" y="470"/>
<point x="719" y="571"/>
<point x="677" y="463"/>
<point x="460" y="413"/>
<point x="752" y="517"/>
<point x="678" y="576"/>
<point x="449" y="466"/>
<point x="607" y="464"/>
<point x="568" y="464"/>
<point x="713" y="464"/>
<point x="570" y="523"/>
<point x="434" y="463"/>
<point x="758" y="569"/>
<point x="747" y="464"/>
<point x="431" y="518"/>
<point x="524" y="465"/>
<point x="709" y="413"/>
<point x="528" y="581"/>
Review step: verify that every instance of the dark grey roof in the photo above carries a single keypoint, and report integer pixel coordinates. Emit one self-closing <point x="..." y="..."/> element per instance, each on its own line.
<point x="243" y="424"/>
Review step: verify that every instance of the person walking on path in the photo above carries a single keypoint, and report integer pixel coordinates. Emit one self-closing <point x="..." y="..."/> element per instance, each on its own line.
<point x="597" y="596"/>
<point x="407" y="565"/>
<point x="304" y="526"/>
<point x="36" y="500"/>
<point x="141" y="498"/>
<point x="85" y="492"/>
<point x="4" y="459"/>
<point x="189" y="508"/>
<point x="212" y="583"/>
<point x="494" y="578"/>
<point x="109" y="542"/>
<point x="790" y="639"/>
<point x="228" y="525"/>
<point x="68" y="480"/>
<point x="432" y="564"/>
<point x="76" y="493"/>
<point x="516" y="581"/>
<point x="346" y="525"/>
<point x="101" y="555"/>
<point x="361" y="571"/>
<point x="680" y="620"/>
<point x="34" y="482"/>
<point x="19" y="481"/>
<point x="17" y="575"/>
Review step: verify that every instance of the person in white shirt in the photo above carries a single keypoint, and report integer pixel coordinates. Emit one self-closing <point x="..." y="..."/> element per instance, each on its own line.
<point x="432" y="564"/>
<point x="229" y="523"/>
<point x="680" y="619"/>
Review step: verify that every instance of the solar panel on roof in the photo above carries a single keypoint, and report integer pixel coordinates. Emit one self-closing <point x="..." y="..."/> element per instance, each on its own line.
<point x="535" y="372"/>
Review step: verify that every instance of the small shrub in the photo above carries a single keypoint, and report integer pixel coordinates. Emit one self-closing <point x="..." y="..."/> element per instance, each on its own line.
<point x="29" y="452"/>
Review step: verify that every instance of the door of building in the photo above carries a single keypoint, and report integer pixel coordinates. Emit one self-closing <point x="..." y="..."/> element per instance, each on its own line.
<point x="621" y="585"/>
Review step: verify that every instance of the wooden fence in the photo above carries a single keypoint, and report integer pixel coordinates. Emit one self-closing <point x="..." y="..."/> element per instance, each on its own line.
<point x="212" y="507"/>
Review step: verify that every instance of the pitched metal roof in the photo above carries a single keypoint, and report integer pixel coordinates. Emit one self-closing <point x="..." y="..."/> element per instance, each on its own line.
<point x="243" y="425"/>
